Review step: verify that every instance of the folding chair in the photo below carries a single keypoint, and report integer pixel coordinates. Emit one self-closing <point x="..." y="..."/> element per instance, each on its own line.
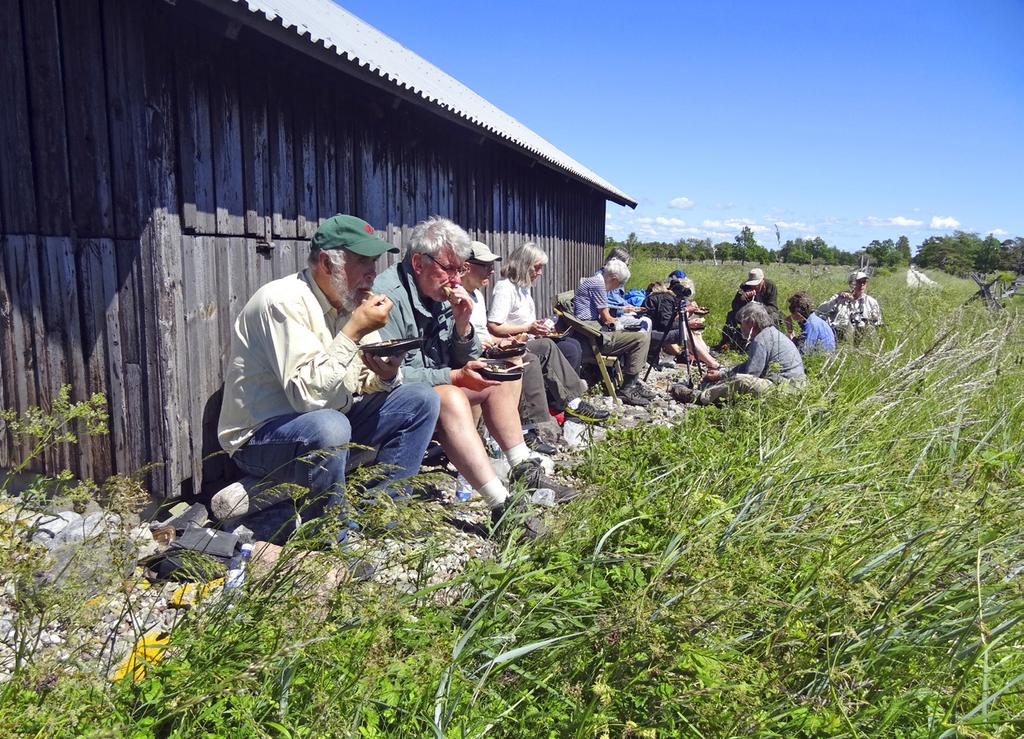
<point x="586" y="332"/>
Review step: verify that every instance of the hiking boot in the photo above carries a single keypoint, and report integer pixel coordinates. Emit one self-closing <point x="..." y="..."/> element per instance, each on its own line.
<point x="586" y="413"/>
<point x="682" y="393"/>
<point x="644" y="390"/>
<point x="537" y="444"/>
<point x="512" y="509"/>
<point x="631" y="395"/>
<point x="531" y="475"/>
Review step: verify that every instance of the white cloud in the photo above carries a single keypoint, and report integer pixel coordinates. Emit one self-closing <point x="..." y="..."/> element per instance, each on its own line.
<point x="662" y="221"/>
<point x="999" y="232"/>
<point x="795" y="226"/>
<point x="943" y="223"/>
<point x="682" y="203"/>
<point x="894" y="221"/>
<point x="607" y="216"/>
<point x="723" y="206"/>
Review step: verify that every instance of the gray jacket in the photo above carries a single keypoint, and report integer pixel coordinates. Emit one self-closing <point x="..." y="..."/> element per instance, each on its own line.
<point x="773" y="356"/>
<point x="416" y="315"/>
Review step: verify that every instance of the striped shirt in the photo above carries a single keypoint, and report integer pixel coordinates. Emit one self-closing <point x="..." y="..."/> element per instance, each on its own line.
<point x="591" y="297"/>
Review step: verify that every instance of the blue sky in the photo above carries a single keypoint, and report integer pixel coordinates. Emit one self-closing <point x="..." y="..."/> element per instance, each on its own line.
<point x="852" y="121"/>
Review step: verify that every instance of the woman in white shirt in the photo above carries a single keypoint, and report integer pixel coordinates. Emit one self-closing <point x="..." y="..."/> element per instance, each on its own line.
<point x="512" y="311"/>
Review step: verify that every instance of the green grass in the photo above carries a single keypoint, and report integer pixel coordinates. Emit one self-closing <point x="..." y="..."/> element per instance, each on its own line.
<point x="844" y="563"/>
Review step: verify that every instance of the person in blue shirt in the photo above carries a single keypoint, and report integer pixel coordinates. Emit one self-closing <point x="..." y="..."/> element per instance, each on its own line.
<point x="815" y="333"/>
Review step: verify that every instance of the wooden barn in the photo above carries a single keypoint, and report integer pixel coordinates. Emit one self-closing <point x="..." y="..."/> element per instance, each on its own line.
<point x="161" y="159"/>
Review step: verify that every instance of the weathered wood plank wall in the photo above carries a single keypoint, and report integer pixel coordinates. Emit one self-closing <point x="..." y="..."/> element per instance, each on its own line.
<point x="156" y="171"/>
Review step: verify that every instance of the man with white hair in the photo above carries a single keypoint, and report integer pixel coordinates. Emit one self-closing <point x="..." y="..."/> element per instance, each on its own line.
<point x="590" y="303"/>
<point x="853" y="313"/>
<point x="298" y="390"/>
<point x="430" y="301"/>
<point x="772" y="359"/>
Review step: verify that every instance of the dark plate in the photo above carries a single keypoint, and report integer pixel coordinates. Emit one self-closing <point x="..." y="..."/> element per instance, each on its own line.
<point x="392" y="347"/>
<point x="501" y="369"/>
<point x="505" y="352"/>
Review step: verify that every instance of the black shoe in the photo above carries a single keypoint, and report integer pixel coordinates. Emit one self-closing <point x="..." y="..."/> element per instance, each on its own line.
<point x="515" y="509"/>
<point x="586" y="413"/>
<point x="537" y="444"/>
<point x="531" y="475"/>
<point x="682" y="393"/>
<point x="631" y="395"/>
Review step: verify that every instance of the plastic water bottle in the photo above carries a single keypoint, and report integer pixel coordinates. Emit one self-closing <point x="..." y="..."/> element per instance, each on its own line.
<point x="463" y="490"/>
<point x="236" y="570"/>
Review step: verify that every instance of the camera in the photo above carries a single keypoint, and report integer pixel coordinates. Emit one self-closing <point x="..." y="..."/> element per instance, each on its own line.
<point x="679" y="290"/>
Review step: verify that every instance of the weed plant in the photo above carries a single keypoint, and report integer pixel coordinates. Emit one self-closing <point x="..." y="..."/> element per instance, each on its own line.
<point x="845" y="562"/>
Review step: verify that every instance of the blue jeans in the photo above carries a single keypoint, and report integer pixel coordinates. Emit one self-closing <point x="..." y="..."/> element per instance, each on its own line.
<point x="310" y="449"/>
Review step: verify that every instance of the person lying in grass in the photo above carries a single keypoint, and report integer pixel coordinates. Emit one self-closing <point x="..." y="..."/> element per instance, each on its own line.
<point x="772" y="360"/>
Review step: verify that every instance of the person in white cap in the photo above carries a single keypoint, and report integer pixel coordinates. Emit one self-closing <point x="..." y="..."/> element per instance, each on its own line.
<point x="853" y="313"/>
<point x="756" y="289"/>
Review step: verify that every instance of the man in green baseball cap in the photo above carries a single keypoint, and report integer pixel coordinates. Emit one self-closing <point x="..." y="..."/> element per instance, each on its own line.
<point x="298" y="389"/>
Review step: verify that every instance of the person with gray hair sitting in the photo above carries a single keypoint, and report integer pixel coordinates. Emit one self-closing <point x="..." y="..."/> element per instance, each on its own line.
<point x="772" y="360"/>
<point x="429" y="301"/>
<point x="590" y="304"/>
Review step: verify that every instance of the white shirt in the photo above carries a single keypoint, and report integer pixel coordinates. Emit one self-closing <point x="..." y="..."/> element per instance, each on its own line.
<point x="478" y="318"/>
<point x="511" y="304"/>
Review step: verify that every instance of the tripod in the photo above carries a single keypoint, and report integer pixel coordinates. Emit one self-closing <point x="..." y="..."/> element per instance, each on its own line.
<point x="686" y="338"/>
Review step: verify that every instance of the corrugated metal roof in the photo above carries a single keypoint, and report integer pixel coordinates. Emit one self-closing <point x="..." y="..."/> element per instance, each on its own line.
<point x="326" y="23"/>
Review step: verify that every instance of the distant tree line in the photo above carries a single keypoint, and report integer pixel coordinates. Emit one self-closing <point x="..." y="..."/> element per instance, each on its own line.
<point x="957" y="254"/>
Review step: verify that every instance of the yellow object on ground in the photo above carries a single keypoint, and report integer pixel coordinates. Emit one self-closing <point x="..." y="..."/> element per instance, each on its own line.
<point x="148" y="650"/>
<point x="192" y="593"/>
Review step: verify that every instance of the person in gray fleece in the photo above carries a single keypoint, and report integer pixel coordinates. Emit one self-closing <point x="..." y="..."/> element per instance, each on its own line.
<point x="772" y="359"/>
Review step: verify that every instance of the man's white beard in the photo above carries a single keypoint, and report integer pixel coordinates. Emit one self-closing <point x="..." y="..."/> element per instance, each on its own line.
<point x="350" y="299"/>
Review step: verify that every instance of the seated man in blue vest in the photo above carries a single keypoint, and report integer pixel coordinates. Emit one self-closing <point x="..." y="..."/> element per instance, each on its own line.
<point x="430" y="301"/>
<point x="298" y="390"/>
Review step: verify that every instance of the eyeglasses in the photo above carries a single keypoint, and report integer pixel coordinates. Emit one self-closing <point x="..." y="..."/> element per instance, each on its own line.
<point x="454" y="271"/>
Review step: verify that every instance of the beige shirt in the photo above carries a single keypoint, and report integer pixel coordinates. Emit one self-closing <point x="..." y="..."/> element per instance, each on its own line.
<point x="288" y="355"/>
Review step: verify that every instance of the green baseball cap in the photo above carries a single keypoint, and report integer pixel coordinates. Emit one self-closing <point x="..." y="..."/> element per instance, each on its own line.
<point x="353" y="234"/>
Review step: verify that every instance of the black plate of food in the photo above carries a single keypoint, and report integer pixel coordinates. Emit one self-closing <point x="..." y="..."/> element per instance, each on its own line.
<point x="391" y="347"/>
<point x="501" y="369"/>
<point x="505" y="351"/>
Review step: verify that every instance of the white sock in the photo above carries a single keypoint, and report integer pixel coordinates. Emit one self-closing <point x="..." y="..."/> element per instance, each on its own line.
<point x="574" y="403"/>
<point x="493" y="493"/>
<point x="517" y="454"/>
